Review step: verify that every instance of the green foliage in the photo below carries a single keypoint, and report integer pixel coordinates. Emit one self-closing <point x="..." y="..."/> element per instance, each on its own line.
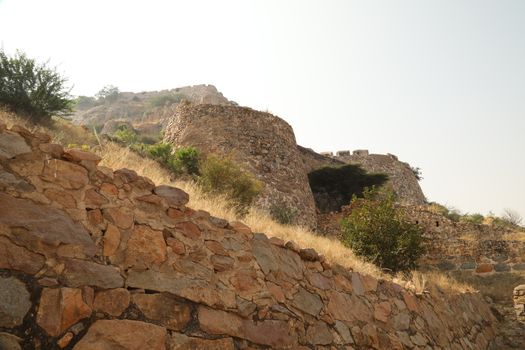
<point x="187" y="160"/>
<point x="472" y="218"/>
<point x="166" y="99"/>
<point x="224" y="177"/>
<point x="33" y="88"/>
<point x="450" y="213"/>
<point x="126" y="135"/>
<point x="334" y="187"/>
<point x="417" y="173"/>
<point x="85" y="102"/>
<point x="108" y="93"/>
<point x="184" y="161"/>
<point x="283" y="213"/>
<point x="380" y="232"/>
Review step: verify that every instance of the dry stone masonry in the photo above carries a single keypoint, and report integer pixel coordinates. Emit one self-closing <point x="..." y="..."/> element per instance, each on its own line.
<point x="92" y="258"/>
<point x="263" y="143"/>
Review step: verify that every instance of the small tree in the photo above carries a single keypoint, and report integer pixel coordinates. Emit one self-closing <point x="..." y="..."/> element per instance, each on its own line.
<point x="108" y="93"/>
<point x="512" y="217"/>
<point x="379" y="231"/>
<point x="33" y="88"/>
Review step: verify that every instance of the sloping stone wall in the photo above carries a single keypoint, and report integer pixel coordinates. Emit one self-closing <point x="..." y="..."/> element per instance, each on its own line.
<point x="92" y="258"/>
<point x="263" y="143"/>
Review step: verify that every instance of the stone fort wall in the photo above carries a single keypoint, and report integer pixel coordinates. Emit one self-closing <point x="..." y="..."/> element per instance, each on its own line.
<point x="264" y="144"/>
<point x="92" y="258"/>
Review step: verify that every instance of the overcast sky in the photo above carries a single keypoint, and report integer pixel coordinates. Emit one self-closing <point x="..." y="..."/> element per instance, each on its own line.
<point x="441" y="84"/>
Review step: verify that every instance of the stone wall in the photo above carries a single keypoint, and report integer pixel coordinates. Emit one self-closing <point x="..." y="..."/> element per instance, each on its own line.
<point x="264" y="144"/>
<point x="92" y="258"/>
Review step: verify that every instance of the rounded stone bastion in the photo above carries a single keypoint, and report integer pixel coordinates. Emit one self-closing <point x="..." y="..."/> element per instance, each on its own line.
<point x="260" y="142"/>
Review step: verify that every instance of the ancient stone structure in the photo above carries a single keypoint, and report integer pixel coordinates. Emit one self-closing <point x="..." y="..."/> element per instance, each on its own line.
<point x="92" y="258"/>
<point x="519" y="302"/>
<point x="263" y="143"/>
<point x="401" y="177"/>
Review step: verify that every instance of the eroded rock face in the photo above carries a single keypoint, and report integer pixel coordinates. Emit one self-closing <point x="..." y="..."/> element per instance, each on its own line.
<point x="107" y="260"/>
<point x="264" y="144"/>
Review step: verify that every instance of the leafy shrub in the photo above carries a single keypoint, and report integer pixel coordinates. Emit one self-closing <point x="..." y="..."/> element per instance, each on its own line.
<point x="282" y="213"/>
<point x="185" y="160"/>
<point x="417" y="173"/>
<point x="108" y="93"/>
<point x="381" y="233"/>
<point x="472" y="218"/>
<point x="448" y="212"/>
<point x="126" y="135"/>
<point x="33" y="88"/>
<point x="512" y="217"/>
<point x="224" y="177"/>
<point x="85" y="102"/>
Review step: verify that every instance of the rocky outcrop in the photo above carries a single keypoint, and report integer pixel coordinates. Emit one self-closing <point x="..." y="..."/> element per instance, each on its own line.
<point x="263" y="143"/>
<point x="100" y="259"/>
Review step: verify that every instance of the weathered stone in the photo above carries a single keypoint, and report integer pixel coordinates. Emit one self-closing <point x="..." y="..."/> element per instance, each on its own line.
<point x="307" y="302"/>
<point x="216" y="247"/>
<point x="382" y="311"/>
<point x="188" y="229"/>
<point x="60" y="308"/>
<point x="240" y="227"/>
<point x="273" y="333"/>
<point x="145" y="247"/>
<point x="65" y="340"/>
<point x="94" y="200"/>
<point x="357" y="284"/>
<point x="319" y="334"/>
<point x="345" y="307"/>
<point x="501" y="268"/>
<point x="175" y="196"/>
<point x="176" y="246"/>
<point x="53" y="149"/>
<point x="446" y="266"/>
<point x="401" y="321"/>
<point x="164" y="309"/>
<point x="309" y="254"/>
<point x="484" y="268"/>
<point x="469" y="265"/>
<point x="12" y="145"/>
<point x="14" y="257"/>
<point x="276" y="291"/>
<point x="121" y="217"/>
<point x="44" y="229"/>
<point x="194" y="289"/>
<point x="182" y="342"/>
<point x="9" y="342"/>
<point x="410" y="301"/>
<point x="78" y="273"/>
<point x="221" y="263"/>
<point x="519" y="267"/>
<point x="344" y="332"/>
<point x="14" y="302"/>
<point x="123" y="334"/>
<point x="112" y="301"/>
<point x="111" y="240"/>
<point x="68" y="175"/>
<point x="319" y="281"/>
<point x="82" y="157"/>
<point x="418" y="339"/>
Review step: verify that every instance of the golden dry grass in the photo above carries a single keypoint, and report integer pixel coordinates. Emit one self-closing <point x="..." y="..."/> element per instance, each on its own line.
<point x="115" y="156"/>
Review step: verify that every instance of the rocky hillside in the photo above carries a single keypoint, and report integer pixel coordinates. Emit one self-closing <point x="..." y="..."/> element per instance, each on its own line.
<point x="148" y="107"/>
<point x="93" y="258"/>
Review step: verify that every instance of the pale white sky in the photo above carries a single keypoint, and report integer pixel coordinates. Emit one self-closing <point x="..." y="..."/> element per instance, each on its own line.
<point x="439" y="83"/>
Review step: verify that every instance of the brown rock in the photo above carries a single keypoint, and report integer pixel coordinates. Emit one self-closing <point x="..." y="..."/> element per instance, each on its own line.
<point x="344" y="307"/>
<point x="382" y="311"/>
<point x="175" y="196"/>
<point x="292" y="246"/>
<point x="94" y="199"/>
<point x="95" y="218"/>
<point x="79" y="156"/>
<point x="239" y="227"/>
<point x="111" y="240"/>
<point x="123" y="334"/>
<point x="319" y="334"/>
<point x="221" y="263"/>
<point x="14" y="257"/>
<point x="369" y="283"/>
<point x="12" y="145"/>
<point x="65" y="174"/>
<point x="272" y="333"/>
<point x="61" y="197"/>
<point x="216" y="247"/>
<point x="112" y="301"/>
<point x="309" y="254"/>
<point x="164" y="309"/>
<point x="308" y="302"/>
<point x="174" y="213"/>
<point x="410" y="301"/>
<point x="145" y="247"/>
<point x="9" y="342"/>
<point x="60" y="308"/>
<point x="276" y="291"/>
<point x="65" y="340"/>
<point x="319" y="281"/>
<point x="484" y="268"/>
<point x="357" y="284"/>
<point x="189" y="229"/>
<point x="176" y="246"/>
<point x="53" y="149"/>
<point x="78" y="273"/>
<point x="277" y="241"/>
<point x="108" y="189"/>
<point x="182" y="342"/>
<point x="121" y="217"/>
<point x="44" y="229"/>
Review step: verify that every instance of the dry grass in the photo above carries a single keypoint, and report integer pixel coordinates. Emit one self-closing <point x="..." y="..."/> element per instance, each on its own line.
<point x="116" y="156"/>
<point x="515" y="236"/>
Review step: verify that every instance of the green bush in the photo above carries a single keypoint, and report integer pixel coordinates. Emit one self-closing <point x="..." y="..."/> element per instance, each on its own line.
<point x="33" y="88"/>
<point x="184" y="160"/>
<point x="224" y="177"/>
<point x="283" y="213"/>
<point x="108" y="93"/>
<point x="380" y="232"/>
<point x="126" y="135"/>
<point x="187" y="160"/>
<point x="472" y="218"/>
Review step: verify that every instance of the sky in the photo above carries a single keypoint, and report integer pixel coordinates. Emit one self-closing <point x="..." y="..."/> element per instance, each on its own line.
<point x="439" y="83"/>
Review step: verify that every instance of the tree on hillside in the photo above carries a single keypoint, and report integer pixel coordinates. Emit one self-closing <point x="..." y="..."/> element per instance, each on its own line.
<point x="379" y="231"/>
<point x="512" y="217"/>
<point x="108" y="93"/>
<point x="33" y="88"/>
